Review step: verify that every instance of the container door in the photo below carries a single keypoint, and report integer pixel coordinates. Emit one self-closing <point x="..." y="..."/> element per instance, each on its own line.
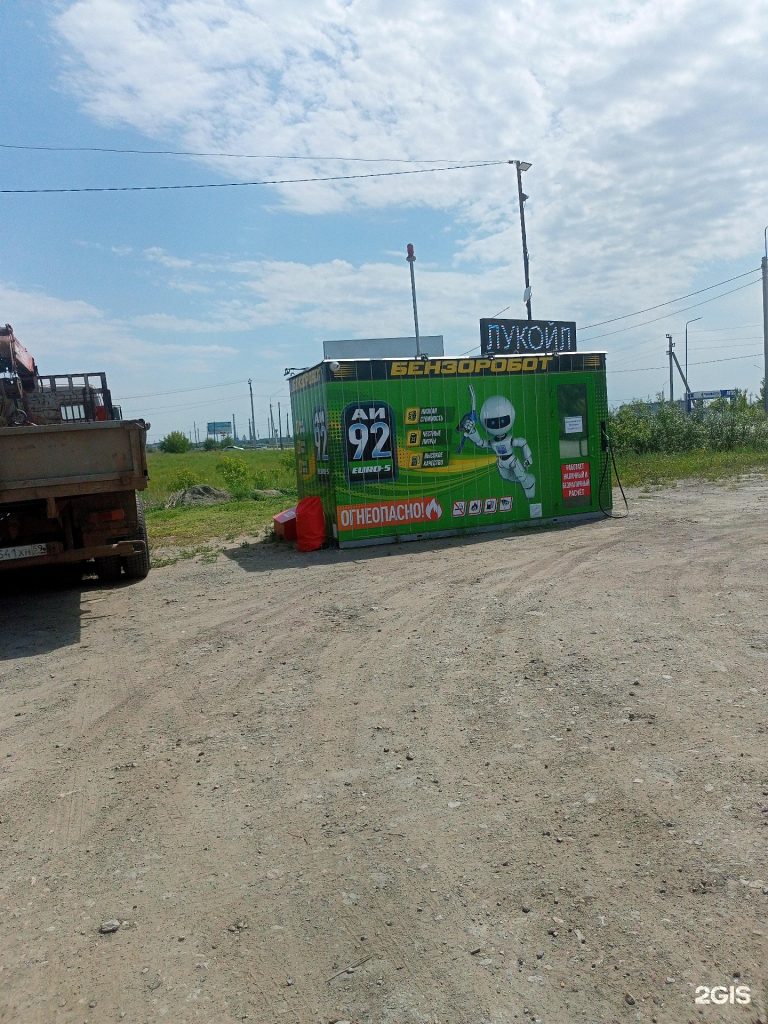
<point x="579" y="448"/>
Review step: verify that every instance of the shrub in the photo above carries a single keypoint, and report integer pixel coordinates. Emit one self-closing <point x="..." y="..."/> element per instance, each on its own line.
<point x="663" y="428"/>
<point x="182" y="480"/>
<point x="261" y="480"/>
<point x="236" y="475"/>
<point x="175" y="442"/>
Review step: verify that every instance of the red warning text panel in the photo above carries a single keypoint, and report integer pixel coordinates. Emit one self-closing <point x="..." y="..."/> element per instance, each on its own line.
<point x="575" y="480"/>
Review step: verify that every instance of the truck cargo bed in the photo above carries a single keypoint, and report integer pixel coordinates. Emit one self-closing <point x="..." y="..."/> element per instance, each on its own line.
<point x="67" y="459"/>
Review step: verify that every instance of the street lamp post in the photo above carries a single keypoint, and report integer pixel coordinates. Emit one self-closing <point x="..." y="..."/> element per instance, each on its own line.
<point x="764" y="268"/>
<point x="520" y="166"/>
<point x="687" y="389"/>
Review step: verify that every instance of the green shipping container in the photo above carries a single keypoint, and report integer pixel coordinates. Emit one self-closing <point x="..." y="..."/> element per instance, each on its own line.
<point x="400" y="449"/>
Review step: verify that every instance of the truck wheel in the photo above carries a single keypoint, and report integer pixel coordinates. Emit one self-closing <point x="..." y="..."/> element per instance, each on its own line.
<point x="108" y="569"/>
<point x="137" y="566"/>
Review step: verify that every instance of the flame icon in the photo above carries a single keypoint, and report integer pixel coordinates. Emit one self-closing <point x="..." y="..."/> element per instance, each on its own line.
<point x="433" y="510"/>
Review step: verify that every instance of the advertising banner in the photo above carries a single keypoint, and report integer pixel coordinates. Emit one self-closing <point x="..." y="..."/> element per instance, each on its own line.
<point x="500" y="337"/>
<point x="418" y="446"/>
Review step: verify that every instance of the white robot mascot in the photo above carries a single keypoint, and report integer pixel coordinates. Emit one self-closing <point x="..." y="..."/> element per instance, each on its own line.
<point x="513" y="454"/>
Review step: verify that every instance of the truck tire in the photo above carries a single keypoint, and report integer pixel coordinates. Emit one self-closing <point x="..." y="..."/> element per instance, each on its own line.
<point x="109" y="568"/>
<point x="137" y="566"/>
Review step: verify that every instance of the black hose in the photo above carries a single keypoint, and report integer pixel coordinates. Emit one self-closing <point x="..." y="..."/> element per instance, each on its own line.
<point x="610" y="461"/>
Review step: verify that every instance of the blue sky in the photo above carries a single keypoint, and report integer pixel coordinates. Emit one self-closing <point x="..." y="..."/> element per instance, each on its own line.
<point x="644" y="123"/>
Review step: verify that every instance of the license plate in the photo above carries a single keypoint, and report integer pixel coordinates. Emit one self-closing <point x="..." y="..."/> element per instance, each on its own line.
<point x="23" y="551"/>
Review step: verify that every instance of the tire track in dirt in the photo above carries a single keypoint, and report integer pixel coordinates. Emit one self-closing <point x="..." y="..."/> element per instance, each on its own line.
<point x="257" y="695"/>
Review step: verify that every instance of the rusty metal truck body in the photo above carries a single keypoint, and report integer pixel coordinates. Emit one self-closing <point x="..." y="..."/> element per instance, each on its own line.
<point x="68" y="494"/>
<point x="70" y="470"/>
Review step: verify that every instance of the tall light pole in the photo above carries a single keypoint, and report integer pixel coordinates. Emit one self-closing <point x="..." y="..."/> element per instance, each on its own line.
<point x="520" y="166"/>
<point x="687" y="392"/>
<point x="764" y="267"/>
<point x="411" y="258"/>
<point x="253" y="416"/>
<point x="671" y="378"/>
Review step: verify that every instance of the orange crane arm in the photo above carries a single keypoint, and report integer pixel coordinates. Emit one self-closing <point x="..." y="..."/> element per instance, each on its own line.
<point x="14" y="358"/>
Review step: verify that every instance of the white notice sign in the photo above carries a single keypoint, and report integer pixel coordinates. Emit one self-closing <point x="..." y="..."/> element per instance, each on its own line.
<point x="574" y="425"/>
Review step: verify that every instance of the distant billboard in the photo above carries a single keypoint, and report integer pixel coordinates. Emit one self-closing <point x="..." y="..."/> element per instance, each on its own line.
<point x="699" y="396"/>
<point x="383" y="348"/>
<point x="501" y="337"/>
<point x="220" y="427"/>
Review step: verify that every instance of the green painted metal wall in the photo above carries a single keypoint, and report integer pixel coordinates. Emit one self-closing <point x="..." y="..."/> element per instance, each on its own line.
<point x="403" y="448"/>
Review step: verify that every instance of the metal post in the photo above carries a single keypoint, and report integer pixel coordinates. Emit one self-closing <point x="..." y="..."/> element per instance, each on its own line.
<point x="280" y="425"/>
<point x="253" y="416"/>
<point x="521" y="197"/>
<point x="684" y="380"/>
<point x="234" y="429"/>
<point x="271" y="426"/>
<point x="764" y="266"/>
<point x="411" y="258"/>
<point x="671" y="377"/>
<point x="687" y="389"/>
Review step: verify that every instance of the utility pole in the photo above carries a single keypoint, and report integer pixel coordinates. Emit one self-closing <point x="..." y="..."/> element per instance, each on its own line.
<point x="411" y="258"/>
<point x="271" y="427"/>
<point x="671" y="376"/>
<point x="764" y="266"/>
<point x="234" y="428"/>
<point x="687" y="389"/>
<point x="253" y="416"/>
<point x="522" y="165"/>
<point x="280" y="425"/>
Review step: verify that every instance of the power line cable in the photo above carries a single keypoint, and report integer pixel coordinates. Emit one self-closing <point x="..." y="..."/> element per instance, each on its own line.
<point x="648" y="309"/>
<point x="668" y="302"/>
<point x="199" y="387"/>
<point x="245" y="184"/>
<point x="712" y="330"/>
<point x="157" y="394"/>
<point x="705" y="362"/>
<point x="234" y="156"/>
<point x="665" y="316"/>
<point x="240" y="402"/>
<point x="745" y="343"/>
<point x="674" y="312"/>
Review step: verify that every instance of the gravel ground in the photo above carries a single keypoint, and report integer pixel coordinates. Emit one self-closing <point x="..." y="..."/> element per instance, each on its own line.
<point x="518" y="778"/>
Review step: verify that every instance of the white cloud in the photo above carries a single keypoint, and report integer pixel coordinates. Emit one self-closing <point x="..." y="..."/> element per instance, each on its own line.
<point x="70" y="336"/>
<point x="157" y="255"/>
<point x="644" y="121"/>
<point x="645" y="124"/>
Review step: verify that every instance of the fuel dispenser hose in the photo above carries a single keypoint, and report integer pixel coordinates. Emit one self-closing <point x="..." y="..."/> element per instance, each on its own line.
<point x="610" y="461"/>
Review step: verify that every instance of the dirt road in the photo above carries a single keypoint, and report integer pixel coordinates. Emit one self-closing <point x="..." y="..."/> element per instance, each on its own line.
<point x="513" y="779"/>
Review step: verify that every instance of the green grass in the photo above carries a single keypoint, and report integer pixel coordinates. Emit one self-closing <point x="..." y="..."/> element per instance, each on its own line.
<point x="168" y="473"/>
<point x="200" y="524"/>
<point x="190" y="532"/>
<point x="662" y="468"/>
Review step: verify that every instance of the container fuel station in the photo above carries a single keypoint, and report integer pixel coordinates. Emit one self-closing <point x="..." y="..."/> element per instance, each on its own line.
<point x="401" y="449"/>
